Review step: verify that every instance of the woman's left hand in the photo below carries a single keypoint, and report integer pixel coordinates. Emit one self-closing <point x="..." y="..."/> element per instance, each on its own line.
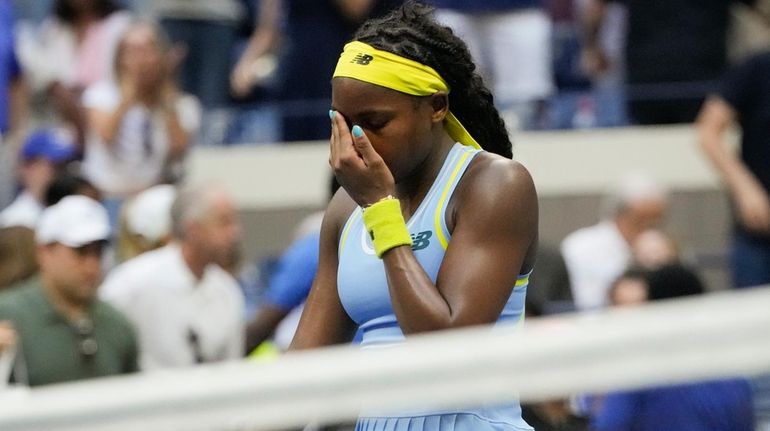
<point x="356" y="164"/>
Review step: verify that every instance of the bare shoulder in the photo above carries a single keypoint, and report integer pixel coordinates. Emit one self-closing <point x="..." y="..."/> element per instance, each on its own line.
<point x="495" y="180"/>
<point x="337" y="213"/>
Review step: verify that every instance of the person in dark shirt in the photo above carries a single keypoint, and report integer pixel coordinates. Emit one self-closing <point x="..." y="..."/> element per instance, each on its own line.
<point x="744" y="97"/>
<point x="676" y="50"/>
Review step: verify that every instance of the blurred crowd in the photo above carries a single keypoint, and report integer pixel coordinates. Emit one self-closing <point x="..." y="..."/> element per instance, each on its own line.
<point x="111" y="264"/>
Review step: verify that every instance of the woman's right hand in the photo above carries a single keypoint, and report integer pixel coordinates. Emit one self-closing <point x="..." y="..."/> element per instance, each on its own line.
<point x="357" y="165"/>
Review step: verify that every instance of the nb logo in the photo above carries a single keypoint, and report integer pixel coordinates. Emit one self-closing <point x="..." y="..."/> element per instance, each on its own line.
<point x="421" y="240"/>
<point x="362" y="59"/>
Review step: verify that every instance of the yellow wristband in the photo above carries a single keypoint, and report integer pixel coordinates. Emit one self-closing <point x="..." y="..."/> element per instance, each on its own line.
<point x="386" y="225"/>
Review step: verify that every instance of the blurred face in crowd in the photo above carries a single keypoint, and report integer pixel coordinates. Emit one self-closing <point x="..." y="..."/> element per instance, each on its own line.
<point x="641" y="215"/>
<point x="74" y="273"/>
<point x="217" y="235"/>
<point x="141" y="58"/>
<point x="628" y="291"/>
<point x="653" y="249"/>
<point x="37" y="174"/>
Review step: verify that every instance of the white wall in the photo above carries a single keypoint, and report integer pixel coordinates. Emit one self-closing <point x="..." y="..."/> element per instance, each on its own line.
<point x="562" y="163"/>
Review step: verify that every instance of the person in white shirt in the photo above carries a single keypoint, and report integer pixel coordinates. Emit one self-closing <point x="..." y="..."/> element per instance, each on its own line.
<point x="597" y="255"/>
<point x="43" y="154"/>
<point x="185" y="307"/>
<point x="140" y="125"/>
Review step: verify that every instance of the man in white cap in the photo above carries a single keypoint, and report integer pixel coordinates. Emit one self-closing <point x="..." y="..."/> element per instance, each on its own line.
<point x="186" y="309"/>
<point x="63" y="331"/>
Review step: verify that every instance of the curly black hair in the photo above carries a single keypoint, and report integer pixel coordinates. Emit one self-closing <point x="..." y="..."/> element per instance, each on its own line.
<point x="410" y="31"/>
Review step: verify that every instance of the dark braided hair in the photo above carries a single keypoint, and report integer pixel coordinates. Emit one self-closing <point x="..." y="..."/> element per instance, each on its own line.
<point x="411" y="32"/>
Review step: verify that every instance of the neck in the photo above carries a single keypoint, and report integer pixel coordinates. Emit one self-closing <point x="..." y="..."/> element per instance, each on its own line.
<point x="412" y="189"/>
<point x="626" y="231"/>
<point x="72" y="310"/>
<point x="194" y="259"/>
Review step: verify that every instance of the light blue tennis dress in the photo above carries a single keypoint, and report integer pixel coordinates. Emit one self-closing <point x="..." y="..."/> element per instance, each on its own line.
<point x="363" y="291"/>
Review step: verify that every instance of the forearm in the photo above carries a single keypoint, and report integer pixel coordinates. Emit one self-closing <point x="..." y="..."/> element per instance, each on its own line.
<point x="732" y="170"/>
<point x="592" y="20"/>
<point x="417" y="302"/>
<point x="178" y="138"/>
<point x="18" y="103"/>
<point x="109" y="127"/>
<point x="267" y="33"/>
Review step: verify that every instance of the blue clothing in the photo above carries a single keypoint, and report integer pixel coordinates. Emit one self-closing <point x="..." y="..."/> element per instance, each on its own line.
<point x="294" y="275"/>
<point x="487" y="5"/>
<point x="9" y="64"/>
<point x="719" y="405"/>
<point x="363" y="292"/>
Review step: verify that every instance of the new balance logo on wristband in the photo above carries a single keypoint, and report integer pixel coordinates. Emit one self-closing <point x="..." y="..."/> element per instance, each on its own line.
<point x="421" y="240"/>
<point x="362" y="59"/>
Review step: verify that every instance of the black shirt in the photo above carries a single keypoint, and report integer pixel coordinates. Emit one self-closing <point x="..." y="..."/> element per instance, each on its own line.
<point x="747" y="89"/>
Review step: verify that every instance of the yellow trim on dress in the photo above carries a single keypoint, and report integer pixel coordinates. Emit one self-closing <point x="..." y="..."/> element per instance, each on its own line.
<point x="439" y="213"/>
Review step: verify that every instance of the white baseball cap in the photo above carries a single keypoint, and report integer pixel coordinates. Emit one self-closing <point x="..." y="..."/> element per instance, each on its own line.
<point x="149" y="213"/>
<point x="74" y="221"/>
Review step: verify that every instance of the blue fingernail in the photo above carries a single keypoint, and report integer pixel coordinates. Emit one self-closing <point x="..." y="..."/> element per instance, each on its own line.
<point x="358" y="131"/>
<point x="332" y="113"/>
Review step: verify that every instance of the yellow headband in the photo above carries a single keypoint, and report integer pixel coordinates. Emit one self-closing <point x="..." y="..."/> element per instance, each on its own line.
<point x="366" y="63"/>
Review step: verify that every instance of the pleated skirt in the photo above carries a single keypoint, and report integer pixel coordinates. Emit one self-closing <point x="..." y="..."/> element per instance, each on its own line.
<point x="439" y="422"/>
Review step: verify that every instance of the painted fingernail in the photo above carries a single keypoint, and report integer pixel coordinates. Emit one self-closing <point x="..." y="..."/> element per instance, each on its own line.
<point x="358" y="131"/>
<point x="332" y="113"/>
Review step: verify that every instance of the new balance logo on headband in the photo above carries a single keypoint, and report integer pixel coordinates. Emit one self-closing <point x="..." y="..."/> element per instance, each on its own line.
<point x="362" y="59"/>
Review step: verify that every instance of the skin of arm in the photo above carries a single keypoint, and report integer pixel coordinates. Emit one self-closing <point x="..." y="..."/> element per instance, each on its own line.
<point x="324" y="321"/>
<point x="491" y="240"/>
<point x="752" y="200"/>
<point x="263" y="325"/>
<point x="178" y="138"/>
<point x="67" y="104"/>
<point x="593" y="59"/>
<point x="18" y="96"/>
<point x="265" y="38"/>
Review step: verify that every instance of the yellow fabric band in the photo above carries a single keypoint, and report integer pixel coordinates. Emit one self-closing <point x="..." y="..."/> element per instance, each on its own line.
<point x="365" y="63"/>
<point x="386" y="226"/>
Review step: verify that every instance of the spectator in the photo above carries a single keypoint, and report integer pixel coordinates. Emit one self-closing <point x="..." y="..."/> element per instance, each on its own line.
<point x="140" y="125"/>
<point x="314" y="33"/>
<point x="629" y="289"/>
<point x="44" y="153"/>
<point x="653" y="249"/>
<point x="17" y="255"/>
<point x="146" y="222"/>
<point x="186" y="308"/>
<point x="699" y="406"/>
<point x="597" y="255"/>
<point x="207" y="31"/>
<point x="70" y="51"/>
<point x="64" y="332"/>
<point x="12" y="99"/>
<point x="675" y="51"/>
<point x="744" y="97"/>
<point x="66" y="184"/>
<point x="512" y="41"/>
